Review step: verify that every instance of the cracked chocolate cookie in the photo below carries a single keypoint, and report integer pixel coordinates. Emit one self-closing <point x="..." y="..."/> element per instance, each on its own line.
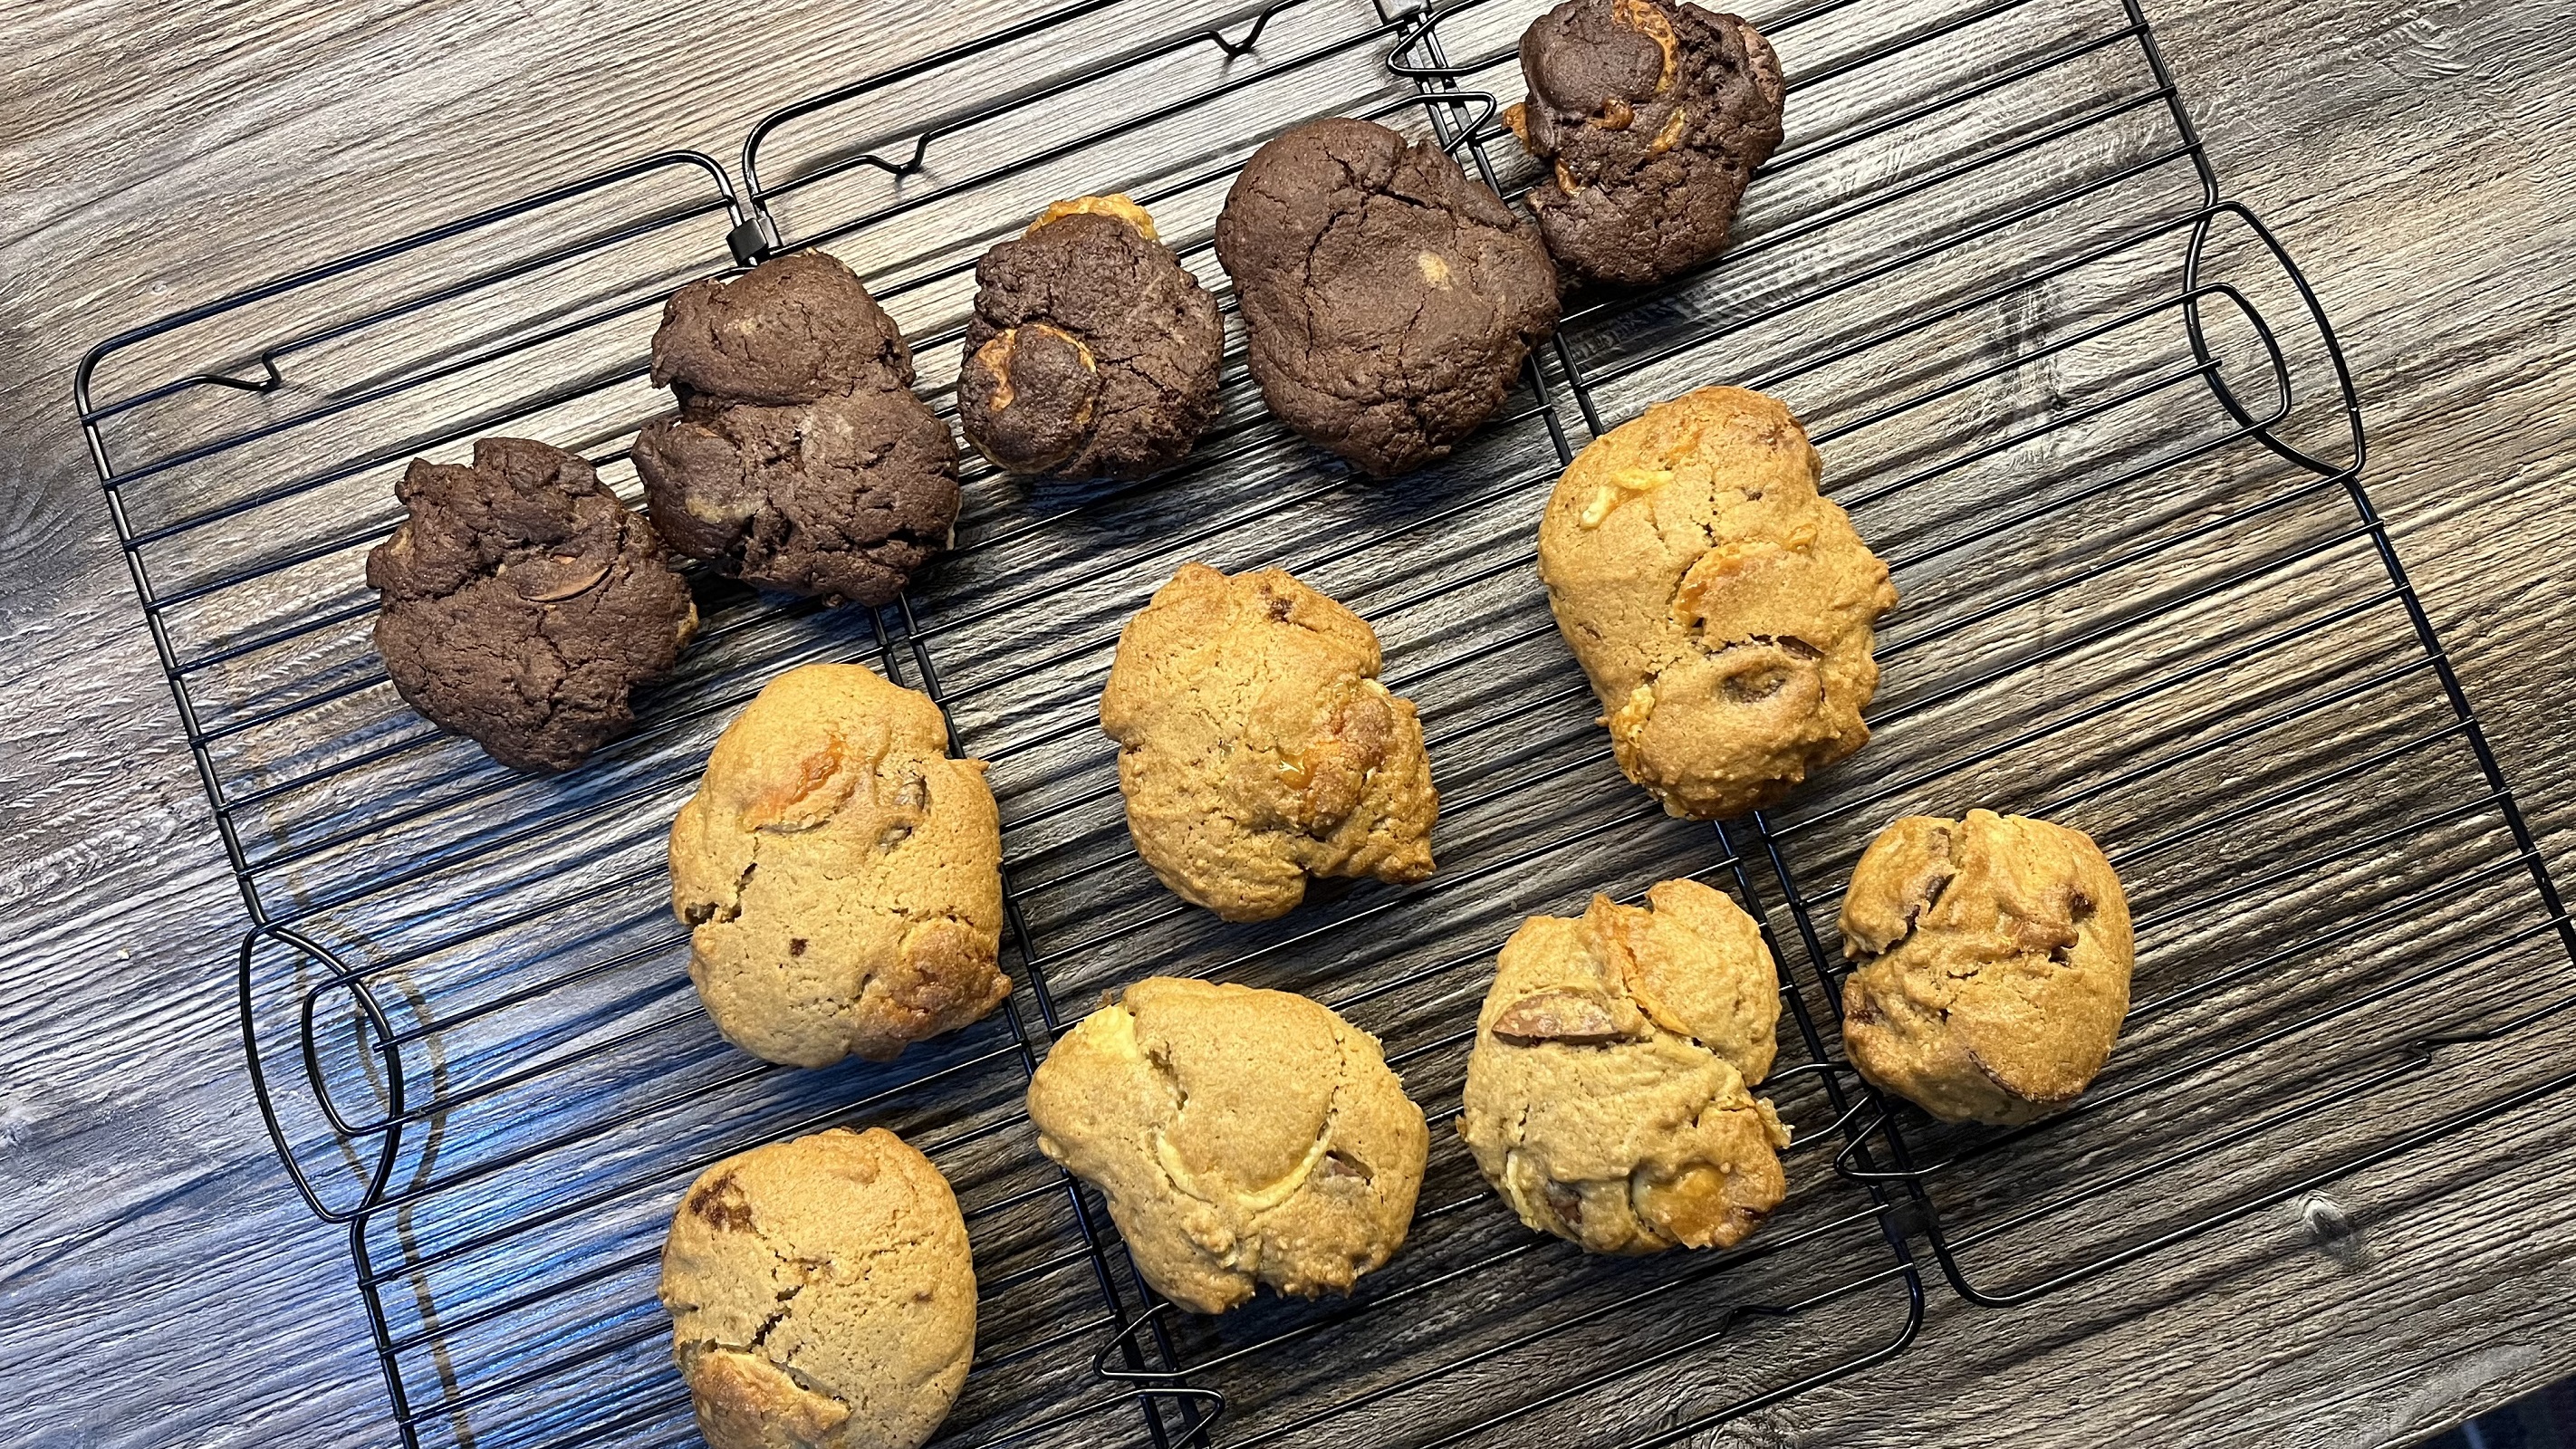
<point x="1389" y="300"/>
<point x="821" y="1295"/>
<point x="800" y="459"/>
<point x="1093" y="353"/>
<point x="1994" y="956"/>
<point x="1721" y="607"/>
<point x="1242" y="1137"/>
<point x="1257" y="748"/>
<point x="1607" y="1096"/>
<point x="522" y="604"/>
<point x="1652" y="117"/>
<point x="840" y="874"/>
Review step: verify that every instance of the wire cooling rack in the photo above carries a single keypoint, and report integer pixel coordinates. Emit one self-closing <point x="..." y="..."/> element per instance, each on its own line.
<point x="2087" y="409"/>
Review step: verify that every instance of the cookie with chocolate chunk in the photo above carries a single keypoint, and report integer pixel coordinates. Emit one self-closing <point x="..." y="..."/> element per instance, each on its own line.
<point x="1389" y="301"/>
<point x="839" y="873"/>
<point x="1093" y="353"/>
<point x="1652" y="118"/>
<point x="1992" y="961"/>
<point x="1242" y="1137"/>
<point x="522" y="603"/>
<point x="822" y="1295"/>
<point x="1608" y="1094"/>
<point x="800" y="458"/>
<point x="1722" y="607"/>
<point x="1257" y="747"/>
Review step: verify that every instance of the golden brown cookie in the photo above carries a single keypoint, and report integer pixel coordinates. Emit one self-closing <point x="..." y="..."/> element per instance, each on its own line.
<point x="1721" y="607"/>
<point x="1994" y="964"/>
<point x="840" y="873"/>
<point x="1242" y="1137"/>
<point x="821" y="1295"/>
<point x="1257" y="748"/>
<point x="1606" y="1093"/>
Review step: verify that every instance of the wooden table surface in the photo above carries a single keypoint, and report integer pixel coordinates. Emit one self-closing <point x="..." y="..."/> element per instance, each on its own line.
<point x="160" y="1284"/>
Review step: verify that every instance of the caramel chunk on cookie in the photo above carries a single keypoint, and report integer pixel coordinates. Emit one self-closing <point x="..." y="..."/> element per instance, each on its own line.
<point x="1607" y="1096"/>
<point x="1651" y="118"/>
<point x="1257" y="748"/>
<point x="840" y="874"/>
<point x="1389" y="301"/>
<point x="821" y="1295"/>
<point x="800" y="459"/>
<point x="1093" y="351"/>
<point x="522" y="604"/>
<point x="1994" y="957"/>
<point x="1242" y="1137"/>
<point x="1721" y="607"/>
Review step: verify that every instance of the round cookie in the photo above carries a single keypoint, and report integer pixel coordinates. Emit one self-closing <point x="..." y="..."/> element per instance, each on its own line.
<point x="1721" y="607"/>
<point x="821" y="1295"/>
<point x="840" y="874"/>
<point x="1242" y="1137"/>
<point x="1389" y="301"/>
<point x="800" y="459"/>
<point x="1652" y="117"/>
<point x="1093" y="352"/>
<point x="1606" y="1093"/>
<point x="1257" y="748"/>
<point x="1994" y="957"/>
<point x="522" y="603"/>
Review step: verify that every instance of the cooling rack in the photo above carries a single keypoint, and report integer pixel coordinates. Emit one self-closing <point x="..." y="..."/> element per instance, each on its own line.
<point x="2087" y="408"/>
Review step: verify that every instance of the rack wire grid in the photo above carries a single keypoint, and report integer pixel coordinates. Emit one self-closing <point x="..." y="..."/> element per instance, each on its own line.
<point x="2088" y="410"/>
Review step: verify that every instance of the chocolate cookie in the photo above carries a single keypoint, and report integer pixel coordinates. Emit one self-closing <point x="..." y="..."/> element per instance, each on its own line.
<point x="1654" y="117"/>
<point x="800" y="458"/>
<point x="1093" y="353"/>
<point x="1390" y="301"/>
<point x="522" y="603"/>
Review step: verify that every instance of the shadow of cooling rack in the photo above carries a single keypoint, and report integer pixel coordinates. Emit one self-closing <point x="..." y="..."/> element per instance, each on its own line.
<point x="2088" y="411"/>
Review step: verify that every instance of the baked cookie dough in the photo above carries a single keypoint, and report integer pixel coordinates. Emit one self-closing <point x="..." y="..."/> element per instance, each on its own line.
<point x="840" y="874"/>
<point x="1093" y="352"/>
<point x="1720" y="606"/>
<point x="1994" y="957"/>
<point x="1652" y="117"/>
<point x="1606" y="1093"/>
<point x="522" y="604"/>
<point x="1389" y="301"/>
<point x="821" y="1295"/>
<point x="1242" y="1137"/>
<point x="800" y="459"/>
<point x="1257" y="748"/>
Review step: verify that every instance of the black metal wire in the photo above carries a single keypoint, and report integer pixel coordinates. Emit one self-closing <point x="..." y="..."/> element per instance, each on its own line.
<point x="309" y="905"/>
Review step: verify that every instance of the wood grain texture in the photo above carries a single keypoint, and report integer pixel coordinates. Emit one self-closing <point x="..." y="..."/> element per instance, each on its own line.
<point x="161" y="1284"/>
